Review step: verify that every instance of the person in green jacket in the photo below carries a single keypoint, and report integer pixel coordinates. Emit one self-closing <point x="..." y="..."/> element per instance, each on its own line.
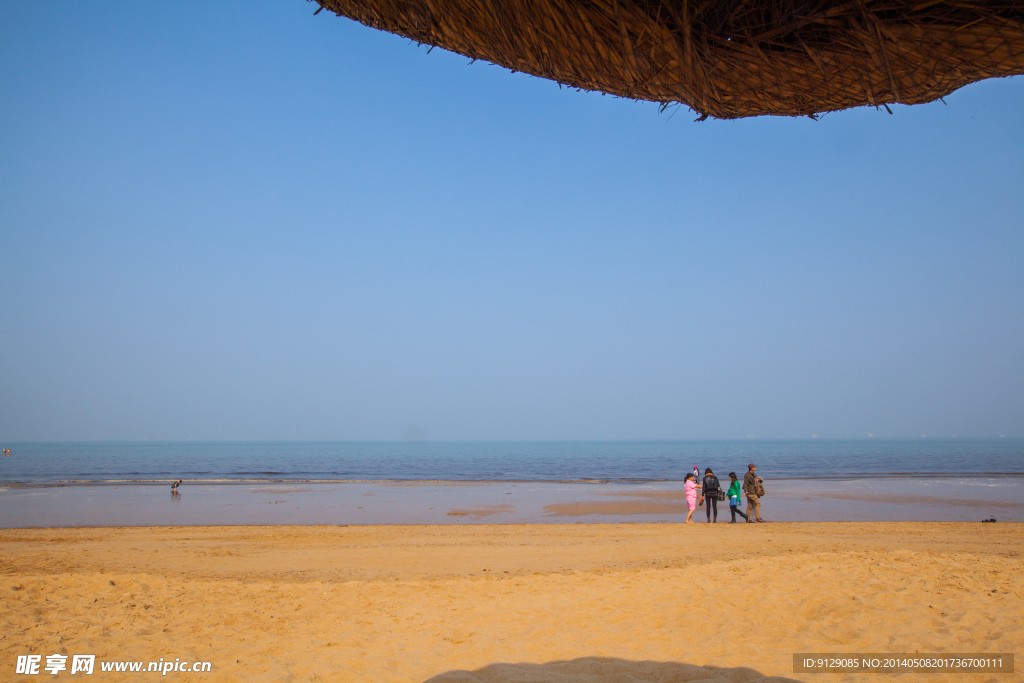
<point x="734" y="498"/>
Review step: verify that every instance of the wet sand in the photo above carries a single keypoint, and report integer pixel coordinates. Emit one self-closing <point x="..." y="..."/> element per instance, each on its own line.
<point x="590" y="602"/>
<point x="203" y="503"/>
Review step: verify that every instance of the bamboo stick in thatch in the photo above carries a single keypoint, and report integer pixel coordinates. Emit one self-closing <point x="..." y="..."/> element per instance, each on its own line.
<point x="726" y="58"/>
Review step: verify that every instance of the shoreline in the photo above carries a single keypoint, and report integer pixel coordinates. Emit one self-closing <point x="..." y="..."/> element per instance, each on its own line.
<point x="230" y="481"/>
<point x="561" y="462"/>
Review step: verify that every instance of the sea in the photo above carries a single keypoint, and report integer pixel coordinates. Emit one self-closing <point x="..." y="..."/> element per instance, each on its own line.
<point x="48" y="464"/>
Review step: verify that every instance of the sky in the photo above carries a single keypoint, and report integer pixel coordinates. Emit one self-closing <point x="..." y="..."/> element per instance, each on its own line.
<point x="237" y="220"/>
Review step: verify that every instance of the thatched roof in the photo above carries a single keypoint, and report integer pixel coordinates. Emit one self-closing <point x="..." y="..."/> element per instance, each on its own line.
<point x="726" y="58"/>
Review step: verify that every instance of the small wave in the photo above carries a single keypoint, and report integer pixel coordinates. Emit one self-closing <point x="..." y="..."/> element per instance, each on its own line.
<point x="973" y="480"/>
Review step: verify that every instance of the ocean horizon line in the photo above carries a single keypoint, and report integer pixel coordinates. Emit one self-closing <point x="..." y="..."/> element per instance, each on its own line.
<point x="781" y="439"/>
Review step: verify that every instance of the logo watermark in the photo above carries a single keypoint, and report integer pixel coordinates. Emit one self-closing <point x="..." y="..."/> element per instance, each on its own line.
<point x="33" y="665"/>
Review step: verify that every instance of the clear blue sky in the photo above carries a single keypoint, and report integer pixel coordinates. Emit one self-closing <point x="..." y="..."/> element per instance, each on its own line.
<point x="236" y="220"/>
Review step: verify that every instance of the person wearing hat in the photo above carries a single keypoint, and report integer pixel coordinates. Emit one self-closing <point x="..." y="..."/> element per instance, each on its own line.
<point x="750" y="489"/>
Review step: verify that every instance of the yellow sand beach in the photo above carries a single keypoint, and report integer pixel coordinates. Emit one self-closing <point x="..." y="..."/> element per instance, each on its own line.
<point x="610" y="603"/>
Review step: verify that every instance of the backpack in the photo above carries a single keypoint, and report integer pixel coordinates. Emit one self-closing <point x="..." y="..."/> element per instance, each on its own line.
<point x="759" y="487"/>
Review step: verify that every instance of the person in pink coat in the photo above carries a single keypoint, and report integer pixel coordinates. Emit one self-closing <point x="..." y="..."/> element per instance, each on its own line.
<point x="690" y="486"/>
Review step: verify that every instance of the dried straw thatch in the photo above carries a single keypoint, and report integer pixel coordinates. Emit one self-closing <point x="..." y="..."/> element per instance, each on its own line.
<point x="726" y="58"/>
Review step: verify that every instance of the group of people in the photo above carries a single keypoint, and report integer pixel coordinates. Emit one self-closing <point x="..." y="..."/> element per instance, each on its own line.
<point x="6" y="451"/>
<point x="709" y="489"/>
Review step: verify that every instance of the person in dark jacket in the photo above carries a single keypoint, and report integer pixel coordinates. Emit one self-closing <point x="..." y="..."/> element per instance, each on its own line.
<point x="750" y="489"/>
<point x="710" y="488"/>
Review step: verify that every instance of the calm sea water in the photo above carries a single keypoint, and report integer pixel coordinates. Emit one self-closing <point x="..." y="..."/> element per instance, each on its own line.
<point x="44" y="463"/>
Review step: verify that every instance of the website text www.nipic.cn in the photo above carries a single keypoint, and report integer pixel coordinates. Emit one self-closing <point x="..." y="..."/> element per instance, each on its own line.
<point x="86" y="664"/>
